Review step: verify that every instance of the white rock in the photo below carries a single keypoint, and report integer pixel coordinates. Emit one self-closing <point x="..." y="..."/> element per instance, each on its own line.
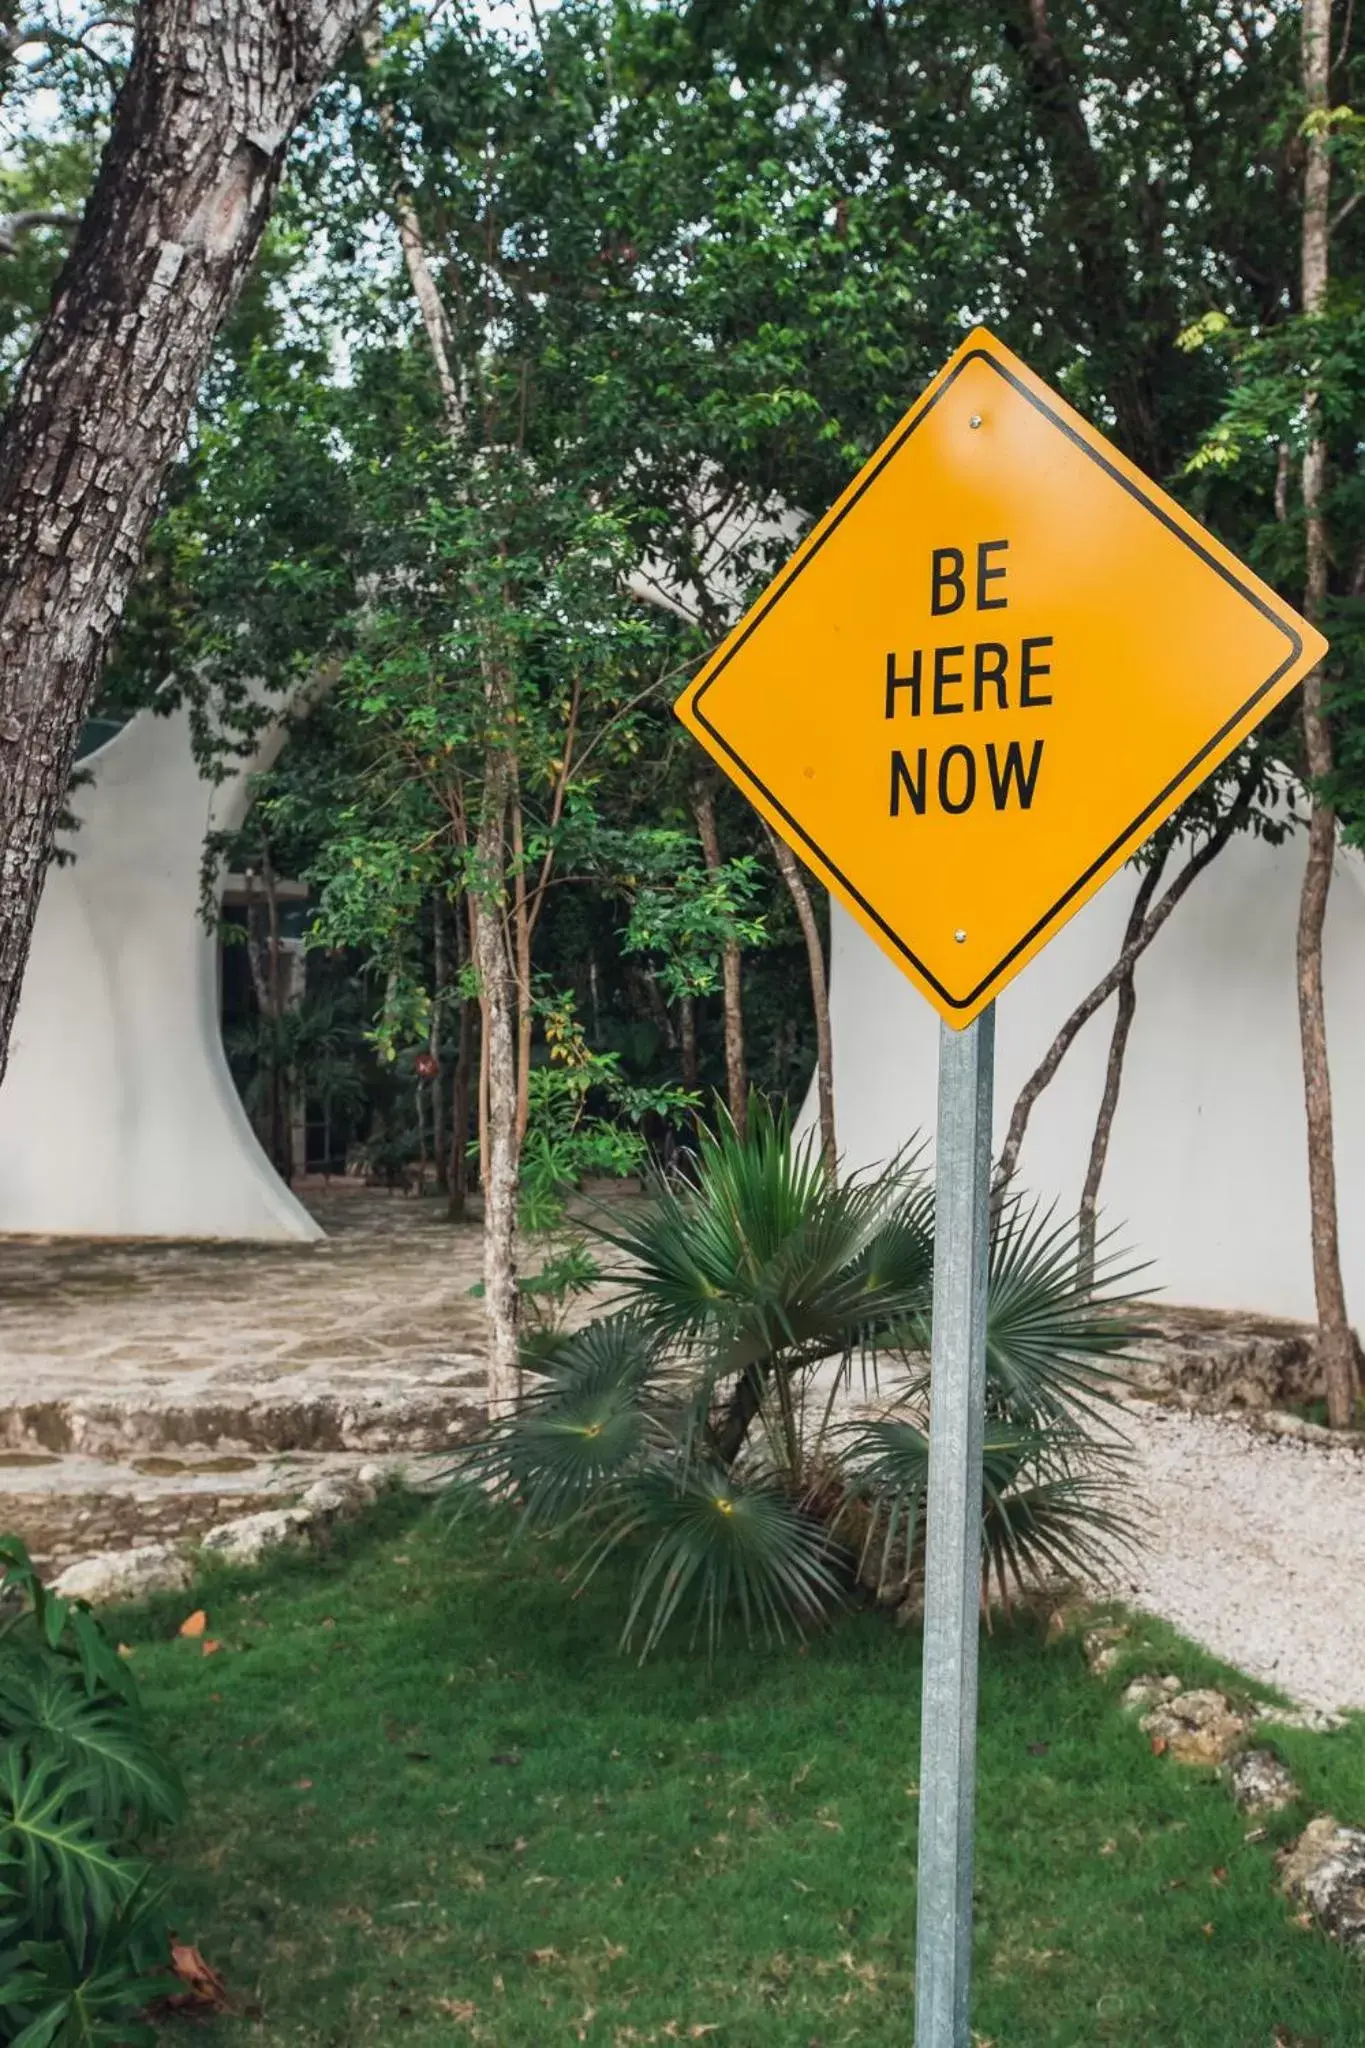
<point x="125" y="1574"/>
<point x="1326" y="1869"/>
<point x="333" y="1496"/>
<point x="1317" y="1720"/>
<point x="248" y="1537"/>
<point x="1260" y="1782"/>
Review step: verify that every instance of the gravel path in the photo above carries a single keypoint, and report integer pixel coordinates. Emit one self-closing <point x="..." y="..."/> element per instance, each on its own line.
<point x="1254" y="1546"/>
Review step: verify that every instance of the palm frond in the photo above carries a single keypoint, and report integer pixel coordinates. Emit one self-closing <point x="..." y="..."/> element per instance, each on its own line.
<point x="885" y="1468"/>
<point x="1052" y="1341"/>
<point x="1047" y="1501"/>
<point x="760" y="1265"/>
<point x="1039" y="1518"/>
<point x="719" y="1544"/>
<point x="589" y="1417"/>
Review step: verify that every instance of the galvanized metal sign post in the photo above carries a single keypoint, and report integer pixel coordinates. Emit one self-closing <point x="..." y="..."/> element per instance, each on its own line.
<point x="952" y="1585"/>
<point x="987" y="675"/>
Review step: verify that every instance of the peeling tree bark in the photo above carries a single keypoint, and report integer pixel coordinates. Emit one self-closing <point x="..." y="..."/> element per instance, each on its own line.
<point x="198" y="142"/>
<point x="1336" y="1341"/>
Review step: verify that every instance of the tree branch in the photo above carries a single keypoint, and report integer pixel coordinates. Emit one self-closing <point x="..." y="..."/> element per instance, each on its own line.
<point x="15" y="225"/>
<point x="1143" y="926"/>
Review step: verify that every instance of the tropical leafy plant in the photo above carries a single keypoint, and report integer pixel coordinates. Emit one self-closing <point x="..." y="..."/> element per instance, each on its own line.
<point x="704" y="1421"/>
<point x="81" y="1784"/>
<point x="584" y="1117"/>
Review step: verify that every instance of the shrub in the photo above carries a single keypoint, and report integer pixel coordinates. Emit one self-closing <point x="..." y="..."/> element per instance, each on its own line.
<point x="81" y="1785"/>
<point x="703" y="1420"/>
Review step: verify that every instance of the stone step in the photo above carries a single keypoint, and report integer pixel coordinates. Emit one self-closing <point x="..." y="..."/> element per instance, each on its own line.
<point x="421" y="1415"/>
<point x="66" y="1508"/>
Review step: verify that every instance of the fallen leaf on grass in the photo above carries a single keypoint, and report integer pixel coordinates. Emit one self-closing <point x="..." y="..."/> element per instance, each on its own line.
<point x="194" y="1624"/>
<point x="542" y="1955"/>
<point x="211" y="1648"/>
<point x="204" y="1988"/>
<point x="457" y="2008"/>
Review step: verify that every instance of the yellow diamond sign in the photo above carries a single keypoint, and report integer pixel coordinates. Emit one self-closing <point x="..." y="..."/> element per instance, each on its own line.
<point x="988" y="674"/>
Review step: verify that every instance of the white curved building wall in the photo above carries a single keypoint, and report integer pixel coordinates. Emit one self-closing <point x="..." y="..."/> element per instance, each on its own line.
<point x="1207" y="1170"/>
<point x="118" y="1115"/>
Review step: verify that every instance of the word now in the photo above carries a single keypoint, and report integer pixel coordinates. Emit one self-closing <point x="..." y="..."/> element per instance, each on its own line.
<point x="956" y="780"/>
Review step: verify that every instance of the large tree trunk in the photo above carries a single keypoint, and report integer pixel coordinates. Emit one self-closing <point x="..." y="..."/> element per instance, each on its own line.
<point x="819" y="995"/>
<point x="736" y="1080"/>
<point x="1336" y="1342"/>
<point x="199" y="135"/>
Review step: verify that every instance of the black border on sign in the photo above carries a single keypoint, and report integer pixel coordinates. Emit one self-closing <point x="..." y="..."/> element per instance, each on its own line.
<point x="1159" y="512"/>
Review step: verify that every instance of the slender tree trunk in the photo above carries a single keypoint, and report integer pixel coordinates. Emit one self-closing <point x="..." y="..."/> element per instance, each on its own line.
<point x="441" y="983"/>
<point x="1143" y="930"/>
<point x="1336" y="1341"/>
<point x="420" y="1102"/>
<point x="687" y="1037"/>
<point x="819" y="994"/>
<point x="185" y="186"/>
<point x="1113" y="1079"/>
<point x="265" y="958"/>
<point x="1087" y="1221"/>
<point x="459" y="1110"/>
<point x="521" y="937"/>
<point x="505" y="1018"/>
<point x="498" y="989"/>
<point x="736" y="1080"/>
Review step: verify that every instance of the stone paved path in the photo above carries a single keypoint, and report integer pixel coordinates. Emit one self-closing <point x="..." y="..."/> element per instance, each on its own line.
<point x="148" y="1391"/>
<point x="142" y="1386"/>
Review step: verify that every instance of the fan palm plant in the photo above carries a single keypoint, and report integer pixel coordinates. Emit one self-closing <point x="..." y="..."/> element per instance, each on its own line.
<point x="704" y="1419"/>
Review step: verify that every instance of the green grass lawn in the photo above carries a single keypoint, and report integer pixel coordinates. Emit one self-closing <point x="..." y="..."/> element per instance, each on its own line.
<point x="430" y="1803"/>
